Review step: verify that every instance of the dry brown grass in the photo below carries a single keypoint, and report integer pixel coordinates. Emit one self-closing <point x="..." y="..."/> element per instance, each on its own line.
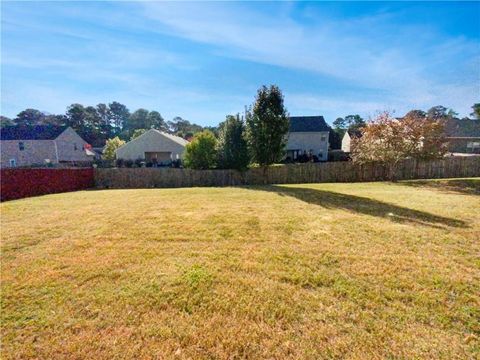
<point x="351" y="271"/>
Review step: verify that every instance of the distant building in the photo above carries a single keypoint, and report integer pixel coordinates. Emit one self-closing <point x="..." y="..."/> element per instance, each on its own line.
<point x="153" y="146"/>
<point x="463" y="135"/>
<point x="347" y="140"/>
<point x="308" y="135"/>
<point x="42" y="145"/>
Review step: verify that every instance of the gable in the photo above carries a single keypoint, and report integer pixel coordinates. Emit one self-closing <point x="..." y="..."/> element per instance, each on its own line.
<point x="70" y="135"/>
<point x="152" y="141"/>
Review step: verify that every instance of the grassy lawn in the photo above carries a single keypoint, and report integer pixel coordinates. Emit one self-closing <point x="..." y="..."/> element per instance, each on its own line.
<point x="371" y="270"/>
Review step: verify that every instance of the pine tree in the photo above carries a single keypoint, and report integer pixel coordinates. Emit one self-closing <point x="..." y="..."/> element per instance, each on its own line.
<point x="267" y="126"/>
<point x="232" y="146"/>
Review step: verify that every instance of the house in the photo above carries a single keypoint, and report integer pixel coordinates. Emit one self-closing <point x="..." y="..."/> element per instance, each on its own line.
<point x="463" y="135"/>
<point x="347" y="139"/>
<point x="41" y="145"/>
<point x="308" y="135"/>
<point x="153" y="146"/>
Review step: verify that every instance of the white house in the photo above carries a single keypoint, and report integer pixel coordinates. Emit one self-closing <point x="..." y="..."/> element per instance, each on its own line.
<point x="153" y="146"/>
<point x="346" y="140"/>
<point x="308" y="135"/>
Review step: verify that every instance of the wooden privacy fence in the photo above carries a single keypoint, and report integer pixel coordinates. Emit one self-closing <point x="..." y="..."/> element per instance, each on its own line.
<point x="118" y="178"/>
<point x="21" y="183"/>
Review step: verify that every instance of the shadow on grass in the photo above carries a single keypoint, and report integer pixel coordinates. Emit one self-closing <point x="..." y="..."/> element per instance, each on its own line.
<point x="460" y="186"/>
<point x="363" y="205"/>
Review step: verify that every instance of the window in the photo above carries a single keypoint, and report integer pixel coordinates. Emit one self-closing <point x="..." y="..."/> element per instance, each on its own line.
<point x="320" y="155"/>
<point x="13" y="162"/>
<point x="21" y="146"/>
<point x="75" y="146"/>
<point x="323" y="138"/>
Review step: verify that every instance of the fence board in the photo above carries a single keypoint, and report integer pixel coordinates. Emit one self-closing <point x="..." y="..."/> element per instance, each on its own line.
<point x="21" y="183"/>
<point x="286" y="174"/>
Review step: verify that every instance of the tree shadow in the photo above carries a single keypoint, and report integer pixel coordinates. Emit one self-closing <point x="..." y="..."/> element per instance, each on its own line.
<point x="459" y="186"/>
<point x="363" y="205"/>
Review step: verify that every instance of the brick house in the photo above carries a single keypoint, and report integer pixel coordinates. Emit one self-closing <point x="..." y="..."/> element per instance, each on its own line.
<point x="43" y="144"/>
<point x="308" y="135"/>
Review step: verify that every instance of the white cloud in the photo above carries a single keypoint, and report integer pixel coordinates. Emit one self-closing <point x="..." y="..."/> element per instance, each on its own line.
<point x="399" y="66"/>
<point x="405" y="66"/>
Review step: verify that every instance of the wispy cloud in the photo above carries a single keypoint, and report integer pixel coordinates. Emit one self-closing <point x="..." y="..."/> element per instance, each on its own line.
<point x="404" y="62"/>
<point x="204" y="60"/>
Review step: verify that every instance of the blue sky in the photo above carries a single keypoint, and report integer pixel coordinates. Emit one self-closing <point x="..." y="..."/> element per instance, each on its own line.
<point x="202" y="61"/>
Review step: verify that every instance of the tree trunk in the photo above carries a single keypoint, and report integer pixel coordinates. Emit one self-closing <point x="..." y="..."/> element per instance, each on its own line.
<point x="264" y="171"/>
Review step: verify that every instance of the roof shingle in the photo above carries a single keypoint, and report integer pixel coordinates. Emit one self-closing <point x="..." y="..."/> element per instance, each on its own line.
<point x="308" y="124"/>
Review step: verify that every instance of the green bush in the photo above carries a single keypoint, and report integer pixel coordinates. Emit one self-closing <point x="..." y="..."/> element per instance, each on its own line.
<point x="111" y="146"/>
<point x="201" y="152"/>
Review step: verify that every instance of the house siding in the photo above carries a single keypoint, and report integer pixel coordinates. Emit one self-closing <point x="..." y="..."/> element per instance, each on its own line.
<point x="153" y="142"/>
<point x="346" y="142"/>
<point x="66" y="149"/>
<point x="35" y="152"/>
<point x="307" y="141"/>
<point x="460" y="145"/>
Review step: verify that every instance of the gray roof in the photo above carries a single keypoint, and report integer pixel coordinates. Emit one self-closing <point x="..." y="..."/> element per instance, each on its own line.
<point x="38" y="132"/>
<point x="308" y="124"/>
<point x="462" y="128"/>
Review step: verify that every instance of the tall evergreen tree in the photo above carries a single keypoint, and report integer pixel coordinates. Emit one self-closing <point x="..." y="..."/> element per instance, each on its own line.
<point x="29" y="117"/>
<point x="105" y="121"/>
<point x="137" y="120"/>
<point x="339" y="124"/>
<point x="5" y="121"/>
<point x="57" y="120"/>
<point x="354" y="123"/>
<point x="119" y="115"/>
<point x="76" y="116"/>
<point x="232" y="146"/>
<point x="267" y="126"/>
<point x="156" y="121"/>
<point x="476" y="111"/>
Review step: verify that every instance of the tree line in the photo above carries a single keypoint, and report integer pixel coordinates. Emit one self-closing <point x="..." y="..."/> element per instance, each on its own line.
<point x="260" y="135"/>
<point x="98" y="123"/>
